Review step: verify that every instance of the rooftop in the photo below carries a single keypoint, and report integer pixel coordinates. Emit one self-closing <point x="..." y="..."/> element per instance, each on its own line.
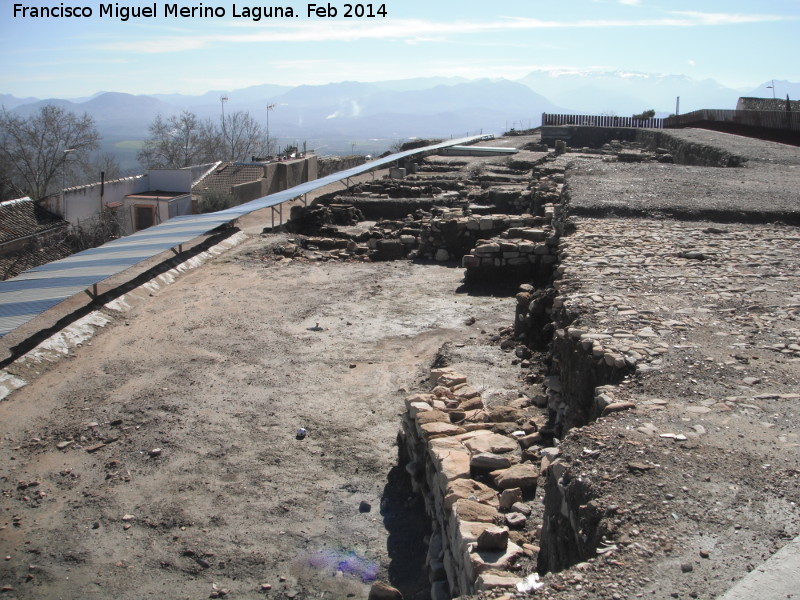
<point x="227" y="175"/>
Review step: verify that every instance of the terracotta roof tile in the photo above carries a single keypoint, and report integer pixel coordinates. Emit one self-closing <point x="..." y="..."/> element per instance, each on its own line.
<point x="20" y="218"/>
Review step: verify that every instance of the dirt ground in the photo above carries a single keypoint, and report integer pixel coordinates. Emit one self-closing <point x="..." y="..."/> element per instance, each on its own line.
<point x="218" y="371"/>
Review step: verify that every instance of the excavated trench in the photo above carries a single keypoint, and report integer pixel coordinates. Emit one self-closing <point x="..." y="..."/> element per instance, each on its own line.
<point x="460" y="481"/>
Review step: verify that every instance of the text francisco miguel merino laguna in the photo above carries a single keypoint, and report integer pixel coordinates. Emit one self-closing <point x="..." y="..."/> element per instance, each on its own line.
<point x="123" y="13"/>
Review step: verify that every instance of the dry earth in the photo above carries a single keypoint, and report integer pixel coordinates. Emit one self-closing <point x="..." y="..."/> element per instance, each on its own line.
<point x="219" y="371"/>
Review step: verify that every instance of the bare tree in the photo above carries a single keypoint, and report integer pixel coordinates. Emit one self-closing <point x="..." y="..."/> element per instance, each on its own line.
<point x="40" y="153"/>
<point x="180" y="141"/>
<point x="244" y="137"/>
<point x="104" y="163"/>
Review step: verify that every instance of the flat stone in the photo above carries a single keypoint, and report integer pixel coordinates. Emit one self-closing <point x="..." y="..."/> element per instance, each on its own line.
<point x="463" y="489"/>
<point x="415" y="408"/>
<point x="516" y="520"/>
<point x="435" y="430"/>
<point x="495" y="580"/>
<point x="524" y="476"/>
<point x="493" y="443"/>
<point x="487" y="461"/>
<point x="484" y="561"/>
<point x="475" y="512"/>
<point x="433" y="416"/>
<point x="450" y="458"/>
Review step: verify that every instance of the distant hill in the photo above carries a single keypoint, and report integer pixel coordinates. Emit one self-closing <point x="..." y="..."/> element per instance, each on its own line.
<point x="625" y="93"/>
<point x="115" y="114"/>
<point x="10" y="102"/>
<point x="335" y="115"/>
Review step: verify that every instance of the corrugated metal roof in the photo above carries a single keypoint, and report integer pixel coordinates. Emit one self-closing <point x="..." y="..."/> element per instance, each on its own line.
<point x="35" y="291"/>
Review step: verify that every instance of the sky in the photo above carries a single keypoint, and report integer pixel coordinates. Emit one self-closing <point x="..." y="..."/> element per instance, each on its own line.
<point x="740" y="44"/>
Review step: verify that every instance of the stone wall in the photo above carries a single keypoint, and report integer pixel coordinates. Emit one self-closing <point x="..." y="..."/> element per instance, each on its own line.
<point x="477" y="468"/>
<point x="333" y="164"/>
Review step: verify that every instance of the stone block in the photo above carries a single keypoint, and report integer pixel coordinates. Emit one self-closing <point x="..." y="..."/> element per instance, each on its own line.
<point x="432" y="431"/>
<point x="474" y="512"/>
<point x="502" y="560"/>
<point x="486" y="461"/>
<point x="474" y="403"/>
<point x="417" y="407"/>
<point x="466" y="489"/>
<point x="442" y="255"/>
<point x="452" y="379"/>
<point x="492" y="580"/>
<point x="523" y="476"/>
<point x="465" y="391"/>
<point x="530" y="440"/>
<point x="432" y="416"/>
<point x="515" y="520"/>
<point x="464" y="533"/>
<point x="383" y="591"/>
<point x="533" y="235"/>
<point x="486" y="250"/>
<point x="437" y="373"/>
<point x="468" y="261"/>
<point x="493" y="539"/>
<point x="510" y="497"/>
<point x="450" y="459"/>
<point x="491" y="442"/>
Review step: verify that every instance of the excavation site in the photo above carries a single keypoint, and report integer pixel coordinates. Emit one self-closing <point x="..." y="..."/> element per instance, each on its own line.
<point x="516" y="369"/>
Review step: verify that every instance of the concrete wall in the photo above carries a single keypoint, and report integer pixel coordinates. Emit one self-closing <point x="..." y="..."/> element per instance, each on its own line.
<point x="81" y="203"/>
<point x="278" y="176"/>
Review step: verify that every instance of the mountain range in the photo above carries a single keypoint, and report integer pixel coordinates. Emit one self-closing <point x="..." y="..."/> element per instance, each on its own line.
<point x="332" y="116"/>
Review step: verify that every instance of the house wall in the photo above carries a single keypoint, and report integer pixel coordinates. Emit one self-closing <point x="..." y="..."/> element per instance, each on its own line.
<point x="81" y="203"/>
<point x="178" y="180"/>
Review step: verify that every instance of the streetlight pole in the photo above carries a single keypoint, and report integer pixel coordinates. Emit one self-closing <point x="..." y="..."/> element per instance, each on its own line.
<point x="64" y="178"/>
<point x="222" y="101"/>
<point x="772" y="87"/>
<point x="269" y="108"/>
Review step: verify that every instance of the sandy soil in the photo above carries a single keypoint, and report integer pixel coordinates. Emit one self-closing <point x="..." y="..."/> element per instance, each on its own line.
<point x="218" y="372"/>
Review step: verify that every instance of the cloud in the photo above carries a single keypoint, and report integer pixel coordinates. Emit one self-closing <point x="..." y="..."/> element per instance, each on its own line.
<point x="411" y="31"/>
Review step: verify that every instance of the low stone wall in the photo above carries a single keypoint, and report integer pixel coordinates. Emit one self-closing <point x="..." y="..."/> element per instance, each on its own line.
<point x="477" y="468"/>
<point x="451" y="234"/>
<point x="688" y="153"/>
<point x="334" y="164"/>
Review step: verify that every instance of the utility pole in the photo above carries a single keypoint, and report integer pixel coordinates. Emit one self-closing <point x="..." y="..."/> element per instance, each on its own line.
<point x="222" y="101"/>
<point x="269" y="108"/>
<point x="64" y="179"/>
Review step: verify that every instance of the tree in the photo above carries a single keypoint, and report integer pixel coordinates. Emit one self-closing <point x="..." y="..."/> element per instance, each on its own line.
<point x="104" y="163"/>
<point x="180" y="141"/>
<point x="648" y="114"/>
<point x="40" y="153"/>
<point x="244" y="137"/>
